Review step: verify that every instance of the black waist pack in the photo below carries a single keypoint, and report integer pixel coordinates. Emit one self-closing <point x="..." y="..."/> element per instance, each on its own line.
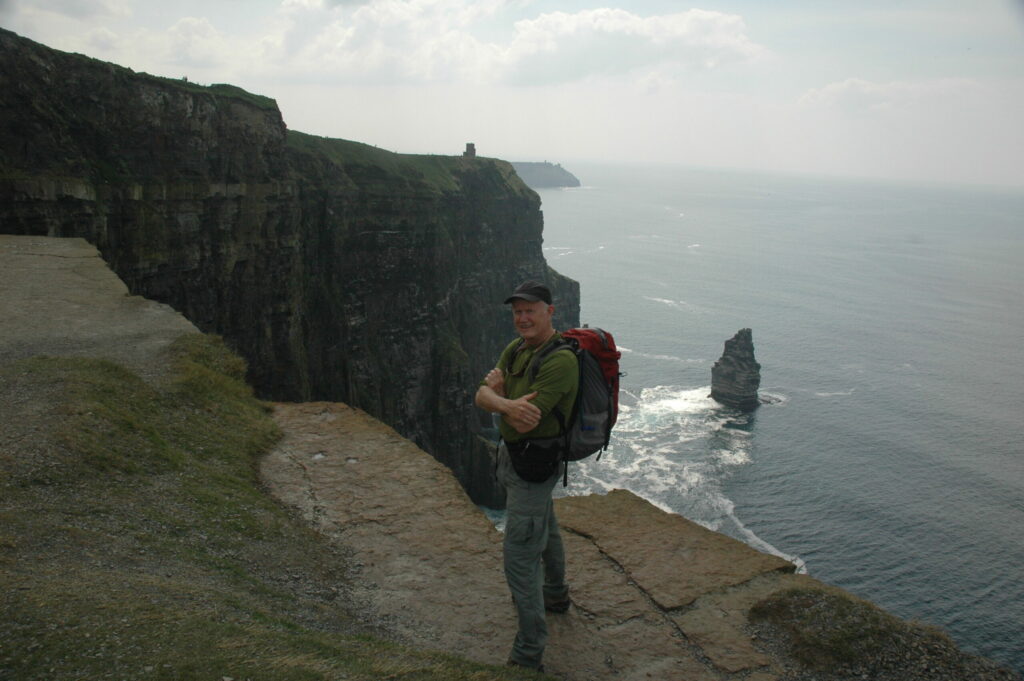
<point x="535" y="460"/>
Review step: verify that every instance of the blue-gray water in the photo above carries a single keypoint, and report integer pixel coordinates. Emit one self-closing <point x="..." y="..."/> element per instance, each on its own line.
<point x="889" y="324"/>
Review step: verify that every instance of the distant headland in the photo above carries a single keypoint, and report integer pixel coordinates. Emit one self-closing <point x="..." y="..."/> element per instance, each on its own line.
<point x="540" y="175"/>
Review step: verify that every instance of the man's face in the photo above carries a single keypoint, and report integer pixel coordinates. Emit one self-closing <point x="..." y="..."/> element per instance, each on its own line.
<point x="533" y="320"/>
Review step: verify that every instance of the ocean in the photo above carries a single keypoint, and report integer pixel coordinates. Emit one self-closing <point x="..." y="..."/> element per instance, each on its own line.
<point x="888" y="322"/>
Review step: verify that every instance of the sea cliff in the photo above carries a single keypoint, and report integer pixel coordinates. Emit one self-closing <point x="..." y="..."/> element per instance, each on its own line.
<point x="339" y="271"/>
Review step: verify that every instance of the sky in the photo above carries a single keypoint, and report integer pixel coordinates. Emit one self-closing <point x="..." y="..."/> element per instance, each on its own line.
<point x="920" y="90"/>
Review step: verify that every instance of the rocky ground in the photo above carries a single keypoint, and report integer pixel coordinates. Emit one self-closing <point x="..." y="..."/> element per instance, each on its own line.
<point x="58" y="298"/>
<point x="654" y="595"/>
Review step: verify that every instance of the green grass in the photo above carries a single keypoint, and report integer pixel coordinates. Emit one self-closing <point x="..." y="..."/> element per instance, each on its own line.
<point x="828" y="629"/>
<point x="825" y="629"/>
<point x="427" y="172"/>
<point x="136" y="541"/>
<point x="228" y="90"/>
<point x="430" y="173"/>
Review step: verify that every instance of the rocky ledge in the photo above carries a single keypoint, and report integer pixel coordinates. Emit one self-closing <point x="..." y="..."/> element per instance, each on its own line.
<point x="654" y="595"/>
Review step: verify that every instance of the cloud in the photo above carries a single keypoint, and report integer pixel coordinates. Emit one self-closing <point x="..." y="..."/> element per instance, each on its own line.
<point x="102" y="39"/>
<point x="945" y="129"/>
<point x="321" y="4"/>
<point x="435" y="41"/>
<point x="191" y="46"/>
<point x="80" y="9"/>
<point x="855" y="95"/>
<point x="561" y="46"/>
<point x="195" y="42"/>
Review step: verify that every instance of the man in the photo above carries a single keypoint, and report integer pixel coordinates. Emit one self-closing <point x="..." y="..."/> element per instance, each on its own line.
<point x="528" y="465"/>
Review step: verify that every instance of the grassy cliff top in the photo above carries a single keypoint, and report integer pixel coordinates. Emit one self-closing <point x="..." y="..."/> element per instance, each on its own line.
<point x="136" y="539"/>
<point x="12" y="42"/>
<point x="429" y="171"/>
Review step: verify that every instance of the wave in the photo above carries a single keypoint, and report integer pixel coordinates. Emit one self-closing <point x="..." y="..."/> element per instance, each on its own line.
<point x="681" y="305"/>
<point x="841" y="393"/>
<point x="664" y="358"/>
<point x="675" y="447"/>
<point x="562" y="251"/>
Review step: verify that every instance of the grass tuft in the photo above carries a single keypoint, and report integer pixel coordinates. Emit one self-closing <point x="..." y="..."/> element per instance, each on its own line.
<point x="826" y="629"/>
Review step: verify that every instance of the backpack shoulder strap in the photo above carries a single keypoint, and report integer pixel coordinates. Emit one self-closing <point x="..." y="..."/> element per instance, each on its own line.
<point x="512" y="355"/>
<point x="552" y="348"/>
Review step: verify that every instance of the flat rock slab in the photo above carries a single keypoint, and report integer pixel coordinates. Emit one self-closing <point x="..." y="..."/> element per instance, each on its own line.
<point x="671" y="558"/>
<point x="427" y="561"/>
<point x="654" y="595"/>
<point x="58" y="297"/>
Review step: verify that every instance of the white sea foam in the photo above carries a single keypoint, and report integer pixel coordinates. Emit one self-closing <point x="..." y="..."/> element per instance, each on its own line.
<point x="675" y="447"/>
<point x="842" y="393"/>
<point x="733" y="457"/>
<point x="681" y="305"/>
<point x="665" y="301"/>
<point x="562" y="251"/>
<point x="672" y="358"/>
<point x="663" y="358"/>
<point x="752" y="540"/>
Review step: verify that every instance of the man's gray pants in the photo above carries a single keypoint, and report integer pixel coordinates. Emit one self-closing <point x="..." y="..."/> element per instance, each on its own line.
<point x="534" y="557"/>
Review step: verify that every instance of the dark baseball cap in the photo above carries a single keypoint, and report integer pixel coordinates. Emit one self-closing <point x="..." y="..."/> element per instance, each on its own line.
<point x="531" y="291"/>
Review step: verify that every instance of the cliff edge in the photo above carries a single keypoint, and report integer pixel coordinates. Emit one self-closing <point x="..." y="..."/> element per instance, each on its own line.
<point x="338" y="270"/>
<point x="138" y="537"/>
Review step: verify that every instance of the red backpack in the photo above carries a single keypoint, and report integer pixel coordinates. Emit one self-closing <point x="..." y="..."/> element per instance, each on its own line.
<point x="588" y="428"/>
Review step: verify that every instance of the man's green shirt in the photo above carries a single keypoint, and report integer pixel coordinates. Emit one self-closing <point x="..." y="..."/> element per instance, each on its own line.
<point x="556" y="385"/>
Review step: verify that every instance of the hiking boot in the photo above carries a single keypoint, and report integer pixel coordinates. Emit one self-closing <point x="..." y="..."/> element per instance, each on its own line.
<point x="512" y="663"/>
<point x="559" y="606"/>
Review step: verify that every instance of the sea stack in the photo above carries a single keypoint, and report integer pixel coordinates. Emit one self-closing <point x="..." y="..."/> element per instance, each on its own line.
<point x="736" y="376"/>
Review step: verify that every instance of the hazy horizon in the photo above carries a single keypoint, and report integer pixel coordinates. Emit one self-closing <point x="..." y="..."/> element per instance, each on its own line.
<point x="910" y="90"/>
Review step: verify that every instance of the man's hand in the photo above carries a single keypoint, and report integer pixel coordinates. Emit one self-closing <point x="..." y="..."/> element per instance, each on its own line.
<point x="522" y="415"/>
<point x="495" y="380"/>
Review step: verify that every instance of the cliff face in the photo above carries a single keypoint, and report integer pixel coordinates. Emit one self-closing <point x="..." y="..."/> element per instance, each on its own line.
<point x="338" y="270"/>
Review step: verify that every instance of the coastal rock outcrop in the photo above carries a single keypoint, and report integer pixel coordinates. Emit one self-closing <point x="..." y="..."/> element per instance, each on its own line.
<point x="736" y="376"/>
<point x="339" y="271"/>
<point x="540" y="175"/>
